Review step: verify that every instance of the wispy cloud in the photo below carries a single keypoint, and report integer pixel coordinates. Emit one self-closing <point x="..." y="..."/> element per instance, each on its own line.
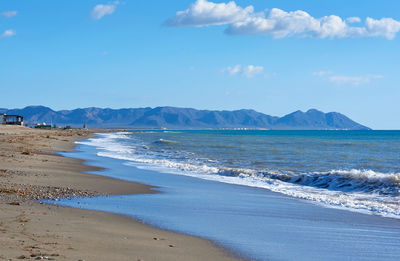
<point x="232" y="70"/>
<point x="353" y="80"/>
<point x="248" y="71"/>
<point x="8" y="33"/>
<point x="101" y="10"/>
<point x="321" y="73"/>
<point x="251" y="70"/>
<point x="279" y="23"/>
<point x="346" y="79"/>
<point x="9" y="14"/>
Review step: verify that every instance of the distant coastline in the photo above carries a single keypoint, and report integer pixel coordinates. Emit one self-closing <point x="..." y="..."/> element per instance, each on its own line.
<point x="185" y="118"/>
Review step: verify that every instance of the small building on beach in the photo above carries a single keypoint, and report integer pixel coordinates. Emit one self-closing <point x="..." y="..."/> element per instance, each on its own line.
<point x="13" y="120"/>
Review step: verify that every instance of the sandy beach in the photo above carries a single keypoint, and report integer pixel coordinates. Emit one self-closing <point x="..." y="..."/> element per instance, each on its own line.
<point x="31" y="170"/>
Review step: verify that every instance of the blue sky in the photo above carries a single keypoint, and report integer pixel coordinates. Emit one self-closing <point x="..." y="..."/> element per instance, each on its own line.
<point x="272" y="56"/>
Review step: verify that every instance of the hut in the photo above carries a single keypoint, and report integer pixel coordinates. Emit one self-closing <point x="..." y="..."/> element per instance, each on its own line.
<point x="13" y="120"/>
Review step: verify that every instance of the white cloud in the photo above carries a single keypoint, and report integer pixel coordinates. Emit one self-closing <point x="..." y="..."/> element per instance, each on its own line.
<point x="386" y="27"/>
<point x="279" y="23"/>
<point x="9" y="14"/>
<point x="247" y="71"/>
<point x="353" y="19"/>
<point x="346" y="79"/>
<point x="282" y="24"/>
<point x="251" y="70"/>
<point x="101" y="10"/>
<point x="8" y="33"/>
<point x="204" y="13"/>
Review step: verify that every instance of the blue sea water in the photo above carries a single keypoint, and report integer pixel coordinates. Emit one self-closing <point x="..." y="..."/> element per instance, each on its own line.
<point x="358" y="170"/>
<point x="267" y="195"/>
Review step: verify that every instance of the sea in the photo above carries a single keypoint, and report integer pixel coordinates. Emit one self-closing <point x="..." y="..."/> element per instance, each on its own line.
<point x="262" y="194"/>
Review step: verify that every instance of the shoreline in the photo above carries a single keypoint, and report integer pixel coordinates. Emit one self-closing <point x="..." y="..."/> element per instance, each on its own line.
<point x="31" y="170"/>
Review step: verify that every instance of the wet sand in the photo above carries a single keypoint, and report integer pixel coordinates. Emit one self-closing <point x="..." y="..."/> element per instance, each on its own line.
<point x="30" y="170"/>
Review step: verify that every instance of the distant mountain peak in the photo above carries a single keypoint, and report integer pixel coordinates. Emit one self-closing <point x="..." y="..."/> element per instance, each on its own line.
<point x="313" y="111"/>
<point x="37" y="107"/>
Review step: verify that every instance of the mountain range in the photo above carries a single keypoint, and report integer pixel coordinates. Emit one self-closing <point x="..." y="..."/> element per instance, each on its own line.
<point x="184" y="118"/>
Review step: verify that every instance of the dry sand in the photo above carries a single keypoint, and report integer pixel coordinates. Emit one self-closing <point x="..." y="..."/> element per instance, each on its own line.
<point x="30" y="170"/>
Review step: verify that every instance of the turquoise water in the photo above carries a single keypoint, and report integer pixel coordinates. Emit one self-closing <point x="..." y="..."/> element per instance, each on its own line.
<point x="354" y="170"/>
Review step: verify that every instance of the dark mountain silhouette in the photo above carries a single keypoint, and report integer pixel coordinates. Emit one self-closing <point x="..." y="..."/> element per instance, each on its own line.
<point x="314" y="119"/>
<point x="185" y="118"/>
<point x="171" y="117"/>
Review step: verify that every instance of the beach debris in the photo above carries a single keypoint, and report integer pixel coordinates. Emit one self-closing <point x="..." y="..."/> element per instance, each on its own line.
<point x="43" y="257"/>
<point x="37" y="192"/>
<point x="171" y="245"/>
<point x="21" y="257"/>
<point x="26" y="152"/>
<point x="15" y="203"/>
<point x="23" y="220"/>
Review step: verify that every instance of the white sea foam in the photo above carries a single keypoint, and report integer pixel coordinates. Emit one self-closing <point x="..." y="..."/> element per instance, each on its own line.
<point x="109" y="142"/>
<point x="357" y="190"/>
<point x="166" y="141"/>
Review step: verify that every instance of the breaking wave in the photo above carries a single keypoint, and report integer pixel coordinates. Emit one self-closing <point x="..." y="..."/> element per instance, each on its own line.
<point x="353" y="180"/>
<point x="163" y="141"/>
